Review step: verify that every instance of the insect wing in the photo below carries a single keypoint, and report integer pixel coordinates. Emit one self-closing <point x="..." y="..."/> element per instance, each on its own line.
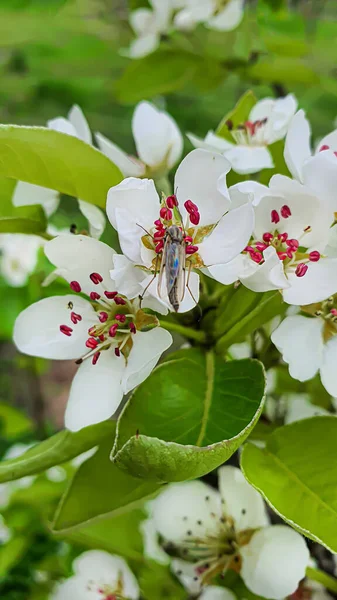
<point x="175" y="267"/>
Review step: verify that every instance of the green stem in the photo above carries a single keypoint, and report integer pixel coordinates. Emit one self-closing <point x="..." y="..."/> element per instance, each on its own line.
<point x="163" y="185"/>
<point x="321" y="577"/>
<point x="188" y="332"/>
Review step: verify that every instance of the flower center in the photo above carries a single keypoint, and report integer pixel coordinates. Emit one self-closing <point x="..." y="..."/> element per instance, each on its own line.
<point x="116" y="315"/>
<point x="295" y="258"/>
<point x="108" y="591"/>
<point x="249" y="133"/>
<point x="326" y="310"/>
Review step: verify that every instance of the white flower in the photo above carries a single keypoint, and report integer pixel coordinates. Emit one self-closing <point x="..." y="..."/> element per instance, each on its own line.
<point x="309" y="345"/>
<point x="300" y="407"/>
<point x="98" y="576"/>
<point x="210" y="233"/>
<point x="26" y="194"/>
<point x="102" y="331"/>
<point x="158" y="141"/>
<point x="222" y="15"/>
<point x="287" y="249"/>
<point x="18" y="257"/>
<point x="228" y="529"/>
<point x="268" y="122"/>
<point x="148" y="26"/>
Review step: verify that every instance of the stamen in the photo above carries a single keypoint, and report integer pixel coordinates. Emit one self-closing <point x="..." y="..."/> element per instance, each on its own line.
<point x="333" y="311"/>
<point x="158" y="224"/>
<point x="113" y="330"/>
<point x="159" y="234"/>
<point x="117" y="351"/>
<point x="159" y="247"/>
<point x="165" y="213"/>
<point x="260" y="246"/>
<point x="285" y="211"/>
<point x="110" y="295"/>
<point x="301" y="270"/>
<point x="132" y="327"/>
<point x="66" y="330"/>
<point x="95" y="358"/>
<point x="195" y="217"/>
<point x="120" y="301"/>
<point x="282" y="237"/>
<point x="91" y="343"/>
<point x="75" y="317"/>
<point x="324" y="147"/>
<point x="103" y="316"/>
<point x="293" y="244"/>
<point x="94" y="296"/>
<point x="314" y="256"/>
<point x="190" y="206"/>
<point x="275" y="217"/>
<point x="171" y="201"/>
<point x="188" y="239"/>
<point x="75" y="286"/>
<point x="120" y="318"/>
<point x="267" y="237"/>
<point x="191" y="249"/>
<point x="96" y="278"/>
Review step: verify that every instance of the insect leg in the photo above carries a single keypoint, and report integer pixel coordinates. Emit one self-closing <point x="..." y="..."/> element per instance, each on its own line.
<point x="141" y="297"/>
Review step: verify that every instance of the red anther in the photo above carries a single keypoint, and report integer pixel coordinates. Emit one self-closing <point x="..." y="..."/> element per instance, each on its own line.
<point x="250" y="126"/>
<point x="307" y="229"/>
<point x="282" y="255"/>
<point x="165" y="213"/>
<point x="171" y="201"/>
<point x="94" y="296"/>
<point x="275" y="217"/>
<point x="95" y="358"/>
<point x="92" y="331"/>
<point x="132" y="327"/>
<point x="256" y="256"/>
<point x="103" y="316"/>
<point x="75" y="317"/>
<point x="96" y="278"/>
<point x="335" y="153"/>
<point x="190" y="206"/>
<point x="159" y="234"/>
<point x="101" y="337"/>
<point x="290" y="252"/>
<point x="110" y="295"/>
<point x="301" y="270"/>
<point x="113" y="330"/>
<point x="267" y="237"/>
<point x="120" y="301"/>
<point x="195" y="217"/>
<point x="249" y="249"/>
<point x="91" y="343"/>
<point x="261" y="246"/>
<point x="293" y="244"/>
<point x="66" y="330"/>
<point x="158" y="224"/>
<point x="159" y="247"/>
<point x="75" y="286"/>
<point x="314" y="256"/>
<point x="120" y="318"/>
<point x="188" y="239"/>
<point x="117" y="351"/>
<point x="285" y="211"/>
<point x="324" y="147"/>
<point x="333" y="311"/>
<point x="191" y="249"/>
<point x="282" y="237"/>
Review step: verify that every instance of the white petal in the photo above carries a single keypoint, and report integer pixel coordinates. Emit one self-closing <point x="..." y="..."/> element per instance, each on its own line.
<point x="144" y="45"/>
<point x="138" y="196"/>
<point x="229" y="272"/>
<point x="157" y="137"/>
<point x="300" y="407"/>
<point x="141" y="20"/>
<point x="63" y="126"/>
<point x="247" y="191"/>
<point x="242" y="501"/>
<point x="26" y="194"/>
<point x="181" y="507"/>
<point x="105" y="568"/>
<point x="95" y="217"/>
<point x="297" y="144"/>
<point x="249" y="159"/>
<point x="319" y="282"/>
<point x="274" y="562"/>
<point x="162" y="13"/>
<point x="211" y="142"/>
<point x="74" y="588"/>
<point x="80" y="124"/>
<point x="268" y="276"/>
<point x="127" y="276"/>
<point x="278" y="114"/>
<point x="130" y="233"/>
<point x="146" y="350"/>
<point x="152" y="549"/>
<point x="96" y="391"/>
<point x="129" y="166"/>
<point x="18" y="257"/>
<point x="328" y="367"/>
<point x="320" y="175"/>
<point x="214" y="592"/>
<point x="329" y="140"/>
<point x="185" y="572"/>
<point x="300" y="341"/>
<point x="200" y="178"/>
<point x="189" y="301"/>
<point x="229" y="237"/>
<point x="37" y="328"/>
<point x="229" y="17"/>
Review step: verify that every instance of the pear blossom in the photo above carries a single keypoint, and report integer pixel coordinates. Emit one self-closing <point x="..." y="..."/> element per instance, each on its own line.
<point x="309" y="344"/>
<point x="287" y="248"/>
<point x="300" y="407"/>
<point x="158" y="141"/>
<point x="212" y="233"/>
<point x="98" y="575"/>
<point x="95" y="325"/>
<point x="248" y="151"/>
<point x="26" y="194"/>
<point x="212" y="531"/>
<point x="18" y="257"/>
<point x="149" y="24"/>
<point x="222" y="15"/>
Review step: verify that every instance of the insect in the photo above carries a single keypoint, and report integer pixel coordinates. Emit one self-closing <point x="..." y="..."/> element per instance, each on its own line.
<point x="173" y="264"/>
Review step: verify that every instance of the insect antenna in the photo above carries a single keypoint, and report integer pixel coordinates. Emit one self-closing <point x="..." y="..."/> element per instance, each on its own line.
<point x="146" y="231"/>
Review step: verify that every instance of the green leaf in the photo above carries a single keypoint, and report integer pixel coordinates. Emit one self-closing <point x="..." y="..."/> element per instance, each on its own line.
<point x="24" y="219"/>
<point x="57" y="161"/>
<point x="242" y="313"/>
<point x="159" y="73"/>
<point x="292" y="475"/>
<point x="58" y="449"/>
<point x="107" y="491"/>
<point x="189" y="416"/>
<point x="282" y="68"/>
<point x="156" y="581"/>
<point x="12" y="552"/>
<point x="13" y="422"/>
<point x="238" y="115"/>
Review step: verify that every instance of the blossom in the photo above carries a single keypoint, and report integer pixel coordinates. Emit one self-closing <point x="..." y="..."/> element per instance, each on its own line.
<point x="229" y="529"/>
<point x="248" y="151"/>
<point x="149" y="24"/>
<point x="26" y="194"/>
<point x="158" y="141"/>
<point x="102" y="332"/>
<point x="223" y="15"/>
<point x="98" y="575"/>
<point x="287" y="248"/>
<point x="18" y="257"/>
<point x="309" y="344"/>
<point x="210" y="232"/>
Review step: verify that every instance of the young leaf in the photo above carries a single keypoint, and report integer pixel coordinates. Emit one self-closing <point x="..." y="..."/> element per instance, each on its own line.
<point x="291" y="473"/>
<point x="238" y="115"/>
<point x="57" y="161"/>
<point x="189" y="416"/>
